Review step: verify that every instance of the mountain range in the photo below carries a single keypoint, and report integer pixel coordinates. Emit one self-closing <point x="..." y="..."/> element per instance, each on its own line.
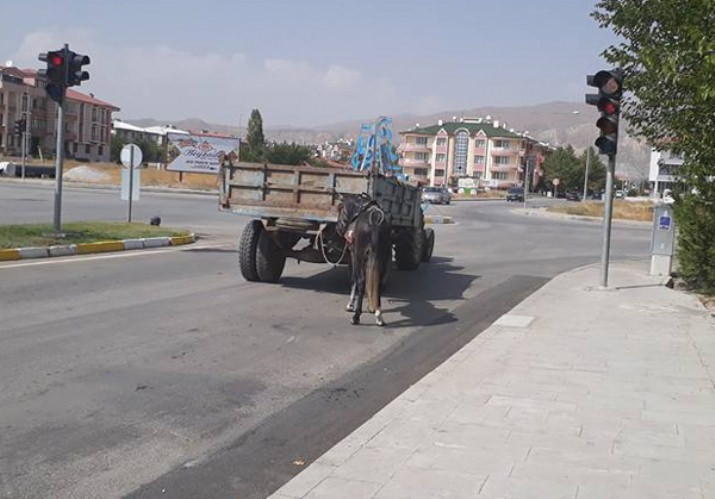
<point x="558" y="123"/>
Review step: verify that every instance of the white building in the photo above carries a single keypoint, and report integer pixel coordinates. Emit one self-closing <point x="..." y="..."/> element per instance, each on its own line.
<point x="662" y="172"/>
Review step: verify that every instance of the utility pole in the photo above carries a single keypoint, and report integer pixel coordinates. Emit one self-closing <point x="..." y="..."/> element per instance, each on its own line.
<point x="585" y="180"/>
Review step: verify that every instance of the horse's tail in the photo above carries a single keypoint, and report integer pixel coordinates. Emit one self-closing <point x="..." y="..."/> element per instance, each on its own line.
<point x="372" y="280"/>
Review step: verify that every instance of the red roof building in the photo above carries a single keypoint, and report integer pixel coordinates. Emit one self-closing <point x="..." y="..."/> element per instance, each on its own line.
<point x="88" y="120"/>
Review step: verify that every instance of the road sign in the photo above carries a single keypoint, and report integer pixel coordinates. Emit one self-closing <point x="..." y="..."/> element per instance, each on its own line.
<point x="556" y="181"/>
<point x="131" y="156"/>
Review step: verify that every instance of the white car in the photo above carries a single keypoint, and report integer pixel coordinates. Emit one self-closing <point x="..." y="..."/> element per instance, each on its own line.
<point x="5" y="166"/>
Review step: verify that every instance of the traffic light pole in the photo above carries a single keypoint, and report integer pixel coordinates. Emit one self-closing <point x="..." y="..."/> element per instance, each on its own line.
<point x="58" y="165"/>
<point x="607" y="217"/>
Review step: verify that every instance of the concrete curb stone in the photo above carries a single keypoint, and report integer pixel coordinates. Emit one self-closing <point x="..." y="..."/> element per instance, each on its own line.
<point x="98" y="247"/>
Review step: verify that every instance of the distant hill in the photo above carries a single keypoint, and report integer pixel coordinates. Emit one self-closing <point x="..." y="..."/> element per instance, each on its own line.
<point x="558" y="123"/>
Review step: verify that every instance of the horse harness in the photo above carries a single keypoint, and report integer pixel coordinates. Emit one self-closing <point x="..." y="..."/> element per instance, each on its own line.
<point x="376" y="216"/>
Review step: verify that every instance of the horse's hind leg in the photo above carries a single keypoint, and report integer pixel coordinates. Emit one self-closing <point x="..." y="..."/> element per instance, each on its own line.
<point x="378" y="317"/>
<point x="360" y="291"/>
<point x="350" y="307"/>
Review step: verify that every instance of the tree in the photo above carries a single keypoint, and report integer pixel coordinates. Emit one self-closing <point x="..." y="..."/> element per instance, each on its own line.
<point x="667" y="52"/>
<point x="564" y="165"/>
<point x="255" y="140"/>
<point x="596" y="170"/>
<point x="115" y="148"/>
<point x="287" y="154"/>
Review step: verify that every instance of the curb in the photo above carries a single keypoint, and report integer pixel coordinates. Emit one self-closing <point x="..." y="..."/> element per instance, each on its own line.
<point x="7" y="255"/>
<point x="438" y="219"/>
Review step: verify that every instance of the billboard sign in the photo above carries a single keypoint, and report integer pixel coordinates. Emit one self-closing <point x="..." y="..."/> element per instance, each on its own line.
<point x="196" y="153"/>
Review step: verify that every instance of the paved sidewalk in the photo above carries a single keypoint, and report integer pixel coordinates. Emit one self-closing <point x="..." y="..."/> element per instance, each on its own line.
<point x="576" y="393"/>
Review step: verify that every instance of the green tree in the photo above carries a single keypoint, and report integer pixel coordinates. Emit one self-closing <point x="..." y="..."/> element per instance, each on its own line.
<point x="255" y="145"/>
<point x="667" y="52"/>
<point x="115" y="148"/>
<point x="564" y="165"/>
<point x="596" y="170"/>
<point x="288" y="154"/>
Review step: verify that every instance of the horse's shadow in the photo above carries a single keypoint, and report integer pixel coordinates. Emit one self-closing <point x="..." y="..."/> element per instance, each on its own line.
<point x="411" y="294"/>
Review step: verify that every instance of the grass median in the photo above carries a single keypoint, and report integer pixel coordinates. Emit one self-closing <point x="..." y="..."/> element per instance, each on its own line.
<point x="31" y="235"/>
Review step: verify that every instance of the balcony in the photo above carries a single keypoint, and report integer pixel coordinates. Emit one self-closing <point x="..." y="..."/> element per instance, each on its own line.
<point x="503" y="168"/>
<point x="506" y="152"/>
<point x="409" y="162"/>
<point x="416" y="148"/>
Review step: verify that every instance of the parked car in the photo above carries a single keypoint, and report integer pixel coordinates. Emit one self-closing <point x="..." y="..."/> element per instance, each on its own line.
<point x="436" y="195"/>
<point x="515" y="194"/>
<point x="620" y="194"/>
<point x="6" y="168"/>
<point x="573" y="196"/>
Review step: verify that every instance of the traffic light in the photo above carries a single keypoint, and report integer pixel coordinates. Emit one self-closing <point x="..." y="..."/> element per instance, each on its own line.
<point x="75" y="74"/>
<point x="56" y="73"/>
<point x="19" y="127"/>
<point x="608" y="102"/>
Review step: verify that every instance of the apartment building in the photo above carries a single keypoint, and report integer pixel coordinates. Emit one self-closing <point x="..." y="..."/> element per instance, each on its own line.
<point x="662" y="171"/>
<point x="88" y="120"/>
<point x="477" y="148"/>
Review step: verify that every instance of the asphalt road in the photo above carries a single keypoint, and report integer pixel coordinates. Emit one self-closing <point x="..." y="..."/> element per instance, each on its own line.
<point x="162" y="374"/>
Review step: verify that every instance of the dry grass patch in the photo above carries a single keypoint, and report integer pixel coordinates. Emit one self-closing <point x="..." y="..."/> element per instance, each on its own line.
<point x="627" y="210"/>
<point x="152" y="177"/>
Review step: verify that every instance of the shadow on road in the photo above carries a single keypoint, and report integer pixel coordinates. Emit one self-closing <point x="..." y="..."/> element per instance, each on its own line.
<point x="409" y="294"/>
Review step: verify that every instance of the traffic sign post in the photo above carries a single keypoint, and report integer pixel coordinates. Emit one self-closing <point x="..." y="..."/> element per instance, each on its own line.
<point x="131" y="158"/>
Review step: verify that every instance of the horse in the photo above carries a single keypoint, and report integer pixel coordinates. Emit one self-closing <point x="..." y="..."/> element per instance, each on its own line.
<point x="367" y="233"/>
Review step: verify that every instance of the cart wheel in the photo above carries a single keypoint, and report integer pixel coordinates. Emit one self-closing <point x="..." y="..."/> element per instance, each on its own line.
<point x="270" y="261"/>
<point x="247" y="250"/>
<point x="428" y="245"/>
<point x="408" y="248"/>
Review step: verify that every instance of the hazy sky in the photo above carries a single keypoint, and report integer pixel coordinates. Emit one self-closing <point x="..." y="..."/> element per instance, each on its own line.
<point x="312" y="62"/>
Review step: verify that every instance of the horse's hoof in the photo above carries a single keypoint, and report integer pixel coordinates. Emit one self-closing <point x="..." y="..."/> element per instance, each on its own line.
<point x="355" y="321"/>
<point x="380" y="322"/>
<point x="350" y="308"/>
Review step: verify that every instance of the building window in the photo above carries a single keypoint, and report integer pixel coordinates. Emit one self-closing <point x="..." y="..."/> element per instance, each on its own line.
<point x="421" y="171"/>
<point x="480" y="143"/>
<point x="439" y="173"/>
<point x="421" y="156"/>
<point x="74" y="147"/>
<point x="479" y="160"/>
<point x="502" y="160"/>
<point x="87" y="149"/>
<point x="500" y="175"/>
<point x="100" y="150"/>
<point x="477" y="175"/>
<point x="440" y="157"/>
<point x="441" y="141"/>
<point x="461" y="143"/>
<point x="421" y="141"/>
<point x="502" y="144"/>
<point x="1" y="118"/>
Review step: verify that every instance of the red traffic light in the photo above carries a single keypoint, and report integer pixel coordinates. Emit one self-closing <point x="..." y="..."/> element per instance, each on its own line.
<point x="55" y="59"/>
<point x="608" y="107"/>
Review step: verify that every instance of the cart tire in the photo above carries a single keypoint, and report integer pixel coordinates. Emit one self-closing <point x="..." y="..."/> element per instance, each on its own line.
<point x="428" y="245"/>
<point x="247" y="250"/>
<point x="408" y="248"/>
<point x="270" y="262"/>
